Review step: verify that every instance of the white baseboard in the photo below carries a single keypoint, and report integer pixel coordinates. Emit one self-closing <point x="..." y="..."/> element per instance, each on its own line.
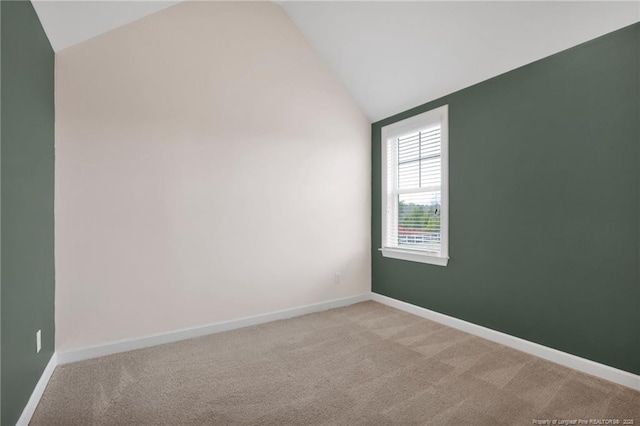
<point x="30" y="408"/>
<point x="593" y="368"/>
<point x="188" y="333"/>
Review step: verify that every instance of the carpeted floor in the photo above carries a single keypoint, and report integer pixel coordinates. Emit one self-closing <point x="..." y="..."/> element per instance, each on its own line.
<point x="365" y="364"/>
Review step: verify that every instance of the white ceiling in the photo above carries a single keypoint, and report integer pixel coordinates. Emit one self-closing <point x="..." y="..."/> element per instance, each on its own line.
<point x="74" y="21"/>
<point x="394" y="55"/>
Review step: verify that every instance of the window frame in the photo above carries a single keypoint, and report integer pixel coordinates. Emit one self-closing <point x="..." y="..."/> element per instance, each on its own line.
<point x="395" y="130"/>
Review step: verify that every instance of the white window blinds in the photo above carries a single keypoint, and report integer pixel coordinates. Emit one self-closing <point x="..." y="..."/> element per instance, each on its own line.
<point x="414" y="161"/>
<point x="414" y="193"/>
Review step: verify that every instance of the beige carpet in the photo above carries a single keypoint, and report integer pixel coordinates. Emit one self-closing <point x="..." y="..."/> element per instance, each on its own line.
<point x="366" y="364"/>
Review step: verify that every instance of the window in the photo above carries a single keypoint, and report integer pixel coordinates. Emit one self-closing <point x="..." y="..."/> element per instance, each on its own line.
<point x="415" y="208"/>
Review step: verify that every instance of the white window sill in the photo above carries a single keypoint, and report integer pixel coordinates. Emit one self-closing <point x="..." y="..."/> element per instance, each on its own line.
<point x="414" y="256"/>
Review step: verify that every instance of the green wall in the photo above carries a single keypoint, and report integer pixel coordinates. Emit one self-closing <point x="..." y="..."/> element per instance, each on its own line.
<point x="544" y="205"/>
<point x="27" y="204"/>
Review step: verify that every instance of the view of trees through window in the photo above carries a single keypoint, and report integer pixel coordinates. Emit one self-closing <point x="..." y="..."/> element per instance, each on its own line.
<point x="418" y="223"/>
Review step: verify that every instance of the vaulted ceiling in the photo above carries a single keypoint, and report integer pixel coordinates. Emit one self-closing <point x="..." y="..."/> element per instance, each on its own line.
<point x="71" y="22"/>
<point x="394" y="55"/>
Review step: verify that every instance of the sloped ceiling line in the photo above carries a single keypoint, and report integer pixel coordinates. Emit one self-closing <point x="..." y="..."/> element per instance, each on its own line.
<point x="393" y="56"/>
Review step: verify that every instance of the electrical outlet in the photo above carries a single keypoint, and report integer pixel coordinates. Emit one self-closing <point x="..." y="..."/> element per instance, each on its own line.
<point x="38" y="341"/>
<point x="336" y="278"/>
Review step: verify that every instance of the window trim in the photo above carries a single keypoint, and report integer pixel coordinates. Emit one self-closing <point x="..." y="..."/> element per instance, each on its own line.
<point x="438" y="115"/>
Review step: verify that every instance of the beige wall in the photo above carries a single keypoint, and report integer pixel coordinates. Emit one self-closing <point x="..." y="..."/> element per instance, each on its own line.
<point x="208" y="167"/>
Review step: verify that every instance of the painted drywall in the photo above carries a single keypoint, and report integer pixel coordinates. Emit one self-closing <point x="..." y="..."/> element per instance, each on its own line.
<point x="544" y="193"/>
<point x="27" y="204"/>
<point x="433" y="48"/>
<point x="208" y="168"/>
